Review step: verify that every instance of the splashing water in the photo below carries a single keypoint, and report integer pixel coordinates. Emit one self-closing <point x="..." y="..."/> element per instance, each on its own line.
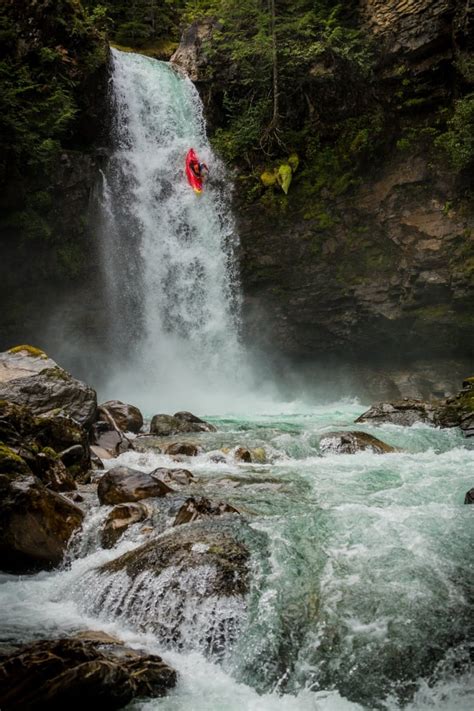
<point x="168" y="253"/>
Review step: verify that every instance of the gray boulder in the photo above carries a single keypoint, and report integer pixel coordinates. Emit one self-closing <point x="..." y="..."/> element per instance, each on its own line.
<point x="352" y="442"/>
<point x="165" y="425"/>
<point x="28" y="377"/>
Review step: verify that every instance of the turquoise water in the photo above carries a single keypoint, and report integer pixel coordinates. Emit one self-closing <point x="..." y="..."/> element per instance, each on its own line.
<point x="362" y="572"/>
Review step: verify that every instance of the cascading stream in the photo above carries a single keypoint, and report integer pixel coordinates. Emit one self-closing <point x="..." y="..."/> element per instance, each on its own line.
<point x="168" y="254"/>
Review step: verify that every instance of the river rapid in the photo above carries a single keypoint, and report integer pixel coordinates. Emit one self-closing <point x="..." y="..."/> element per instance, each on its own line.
<point x="361" y="572"/>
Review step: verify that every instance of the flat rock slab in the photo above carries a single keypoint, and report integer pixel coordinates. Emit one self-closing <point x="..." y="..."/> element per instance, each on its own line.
<point x="66" y="673"/>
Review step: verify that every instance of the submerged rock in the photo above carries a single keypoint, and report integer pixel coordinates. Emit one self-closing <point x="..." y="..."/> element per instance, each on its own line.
<point x="66" y="673"/>
<point x="187" y="448"/>
<point x="469" y="498"/>
<point x="242" y="455"/>
<point x="128" y="418"/>
<point x="35" y="524"/>
<point x="119" y="519"/>
<point x="188" y="586"/>
<point x="352" y="442"/>
<point x="29" y="377"/>
<point x="195" y="509"/>
<point x="122" y="484"/>
<point x="165" y="425"/>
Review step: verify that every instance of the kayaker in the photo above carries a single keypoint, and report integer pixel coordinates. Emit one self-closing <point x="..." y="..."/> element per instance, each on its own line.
<point x="200" y="170"/>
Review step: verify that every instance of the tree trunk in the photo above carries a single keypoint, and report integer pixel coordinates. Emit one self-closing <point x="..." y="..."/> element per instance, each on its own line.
<point x="275" y="117"/>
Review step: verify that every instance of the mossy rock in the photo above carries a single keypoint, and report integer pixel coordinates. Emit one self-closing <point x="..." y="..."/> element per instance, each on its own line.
<point x="28" y="350"/>
<point x="11" y="462"/>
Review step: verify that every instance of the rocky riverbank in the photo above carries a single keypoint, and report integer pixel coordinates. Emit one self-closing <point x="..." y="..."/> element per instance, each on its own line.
<point x="58" y="452"/>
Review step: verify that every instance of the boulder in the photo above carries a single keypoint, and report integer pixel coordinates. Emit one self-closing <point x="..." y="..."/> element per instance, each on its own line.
<point x="469" y="498"/>
<point x="28" y="377"/>
<point x="187" y="448"/>
<point x="179" y="477"/>
<point x="66" y="437"/>
<point x="242" y="455"/>
<point x="402" y="412"/>
<point x="122" y="484"/>
<point x="194" y="580"/>
<point x="165" y="425"/>
<point x="35" y="524"/>
<point x="195" y="509"/>
<point x="109" y="439"/>
<point x="128" y="418"/>
<point x="119" y="519"/>
<point x="52" y="472"/>
<point x="60" y="436"/>
<point x="352" y="442"/>
<point x="456" y="411"/>
<point x="66" y="673"/>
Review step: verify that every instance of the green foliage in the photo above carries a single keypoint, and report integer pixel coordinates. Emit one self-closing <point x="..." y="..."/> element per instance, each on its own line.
<point x="309" y="37"/>
<point x="139" y="23"/>
<point x="458" y="140"/>
<point x="41" y="76"/>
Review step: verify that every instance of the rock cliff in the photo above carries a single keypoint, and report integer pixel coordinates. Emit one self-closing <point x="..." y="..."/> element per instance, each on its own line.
<point x="382" y="272"/>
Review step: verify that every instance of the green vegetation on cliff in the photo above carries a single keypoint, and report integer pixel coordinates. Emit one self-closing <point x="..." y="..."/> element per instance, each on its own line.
<point x="45" y="59"/>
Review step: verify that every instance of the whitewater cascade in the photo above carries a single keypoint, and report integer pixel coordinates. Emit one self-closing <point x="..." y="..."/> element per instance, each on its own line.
<point x="168" y="254"/>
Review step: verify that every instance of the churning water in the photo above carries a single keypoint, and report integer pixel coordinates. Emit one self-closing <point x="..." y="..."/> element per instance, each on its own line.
<point x="168" y="254"/>
<point x="361" y="592"/>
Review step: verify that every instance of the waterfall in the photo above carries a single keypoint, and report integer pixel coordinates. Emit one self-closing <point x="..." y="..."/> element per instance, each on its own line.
<point x="168" y="255"/>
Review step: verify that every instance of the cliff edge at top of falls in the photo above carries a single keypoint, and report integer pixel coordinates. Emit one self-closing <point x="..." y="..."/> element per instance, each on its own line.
<point x="369" y="259"/>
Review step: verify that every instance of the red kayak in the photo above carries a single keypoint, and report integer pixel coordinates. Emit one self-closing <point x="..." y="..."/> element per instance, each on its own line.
<point x="193" y="171"/>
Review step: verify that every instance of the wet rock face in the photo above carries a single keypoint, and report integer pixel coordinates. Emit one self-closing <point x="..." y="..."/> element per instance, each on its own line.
<point x="35" y="524"/>
<point x="122" y="484"/>
<point x="55" y="674"/>
<point x="32" y="379"/>
<point x="165" y="425"/>
<point x="196" y="546"/>
<point x="191" y="55"/>
<point x="120" y="518"/>
<point x="194" y="580"/>
<point x="414" y="28"/>
<point x="352" y="442"/>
